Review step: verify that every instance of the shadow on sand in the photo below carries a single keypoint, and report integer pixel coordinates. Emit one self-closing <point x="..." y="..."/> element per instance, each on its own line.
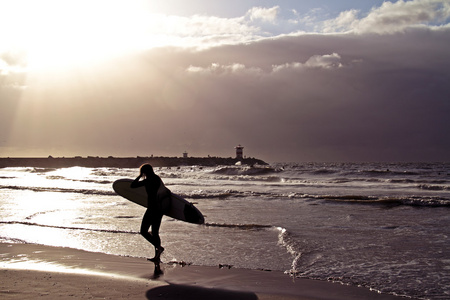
<point x="175" y="291"/>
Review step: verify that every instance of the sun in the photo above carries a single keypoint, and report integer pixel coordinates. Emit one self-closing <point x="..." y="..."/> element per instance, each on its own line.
<point x="60" y="34"/>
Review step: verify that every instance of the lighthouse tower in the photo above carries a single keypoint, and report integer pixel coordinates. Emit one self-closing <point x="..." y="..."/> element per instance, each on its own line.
<point x="239" y="152"/>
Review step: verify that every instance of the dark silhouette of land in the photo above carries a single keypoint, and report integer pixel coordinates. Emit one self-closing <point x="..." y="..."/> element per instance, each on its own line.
<point x="122" y="162"/>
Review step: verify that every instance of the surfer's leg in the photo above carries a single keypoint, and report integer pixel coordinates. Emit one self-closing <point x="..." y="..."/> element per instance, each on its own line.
<point x="156" y="224"/>
<point x="145" y="226"/>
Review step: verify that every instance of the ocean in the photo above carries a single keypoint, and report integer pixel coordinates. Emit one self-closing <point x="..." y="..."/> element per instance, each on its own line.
<point x="384" y="226"/>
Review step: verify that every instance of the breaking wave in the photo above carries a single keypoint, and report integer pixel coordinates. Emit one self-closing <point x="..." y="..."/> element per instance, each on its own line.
<point x="249" y="171"/>
<point x="239" y="226"/>
<point x="59" y="190"/>
<point x="66" y="227"/>
<point x="432" y="187"/>
<point x="286" y="240"/>
<point x="410" y="201"/>
<point x="220" y="225"/>
<point x="421" y="201"/>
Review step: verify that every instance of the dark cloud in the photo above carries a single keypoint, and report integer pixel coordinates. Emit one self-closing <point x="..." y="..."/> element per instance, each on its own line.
<point x="388" y="100"/>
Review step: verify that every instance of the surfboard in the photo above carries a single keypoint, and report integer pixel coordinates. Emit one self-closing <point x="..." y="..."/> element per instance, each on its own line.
<point x="173" y="205"/>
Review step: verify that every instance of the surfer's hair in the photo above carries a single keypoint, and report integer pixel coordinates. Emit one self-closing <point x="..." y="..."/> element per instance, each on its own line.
<point x="147" y="169"/>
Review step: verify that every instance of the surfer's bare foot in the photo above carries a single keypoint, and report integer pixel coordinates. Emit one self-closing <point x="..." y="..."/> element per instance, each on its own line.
<point x="158" y="252"/>
<point x="154" y="259"/>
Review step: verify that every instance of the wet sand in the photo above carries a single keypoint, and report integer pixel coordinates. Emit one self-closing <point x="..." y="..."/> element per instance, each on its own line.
<point x="33" y="271"/>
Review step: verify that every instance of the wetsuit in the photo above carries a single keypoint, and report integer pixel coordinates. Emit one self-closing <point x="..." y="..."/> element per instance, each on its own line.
<point x="153" y="214"/>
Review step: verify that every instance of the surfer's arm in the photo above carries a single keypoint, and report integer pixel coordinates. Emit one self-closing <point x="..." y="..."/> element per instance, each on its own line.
<point x="137" y="182"/>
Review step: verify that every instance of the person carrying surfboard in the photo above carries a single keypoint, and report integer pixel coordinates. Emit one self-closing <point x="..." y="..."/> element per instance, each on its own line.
<point x="153" y="214"/>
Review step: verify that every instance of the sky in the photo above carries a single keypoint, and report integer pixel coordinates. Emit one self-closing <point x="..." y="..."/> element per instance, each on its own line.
<point x="296" y="81"/>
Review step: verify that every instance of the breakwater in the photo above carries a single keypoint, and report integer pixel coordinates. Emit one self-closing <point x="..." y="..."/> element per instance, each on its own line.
<point x="122" y="162"/>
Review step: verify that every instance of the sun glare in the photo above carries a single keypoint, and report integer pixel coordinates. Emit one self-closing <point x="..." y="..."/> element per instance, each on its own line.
<point x="58" y="34"/>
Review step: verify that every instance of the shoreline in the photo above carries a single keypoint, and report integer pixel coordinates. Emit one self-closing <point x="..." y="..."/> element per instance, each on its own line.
<point x="122" y="162"/>
<point x="30" y="271"/>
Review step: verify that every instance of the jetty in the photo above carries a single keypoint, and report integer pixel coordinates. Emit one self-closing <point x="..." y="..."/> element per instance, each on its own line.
<point x="123" y="162"/>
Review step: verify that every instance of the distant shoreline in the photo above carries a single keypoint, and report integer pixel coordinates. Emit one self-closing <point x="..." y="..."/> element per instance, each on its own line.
<point x="121" y="162"/>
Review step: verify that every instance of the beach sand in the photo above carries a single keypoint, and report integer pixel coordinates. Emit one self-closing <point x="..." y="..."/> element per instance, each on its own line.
<point x="29" y="271"/>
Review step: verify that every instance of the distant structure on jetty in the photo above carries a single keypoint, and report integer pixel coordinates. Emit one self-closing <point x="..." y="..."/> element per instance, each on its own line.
<point x="124" y="162"/>
<point x="239" y="152"/>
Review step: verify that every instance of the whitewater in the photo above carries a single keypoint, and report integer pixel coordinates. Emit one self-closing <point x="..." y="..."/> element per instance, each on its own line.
<point x="384" y="226"/>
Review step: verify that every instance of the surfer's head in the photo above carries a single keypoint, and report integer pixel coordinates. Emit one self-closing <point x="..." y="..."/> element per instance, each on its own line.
<point x="147" y="170"/>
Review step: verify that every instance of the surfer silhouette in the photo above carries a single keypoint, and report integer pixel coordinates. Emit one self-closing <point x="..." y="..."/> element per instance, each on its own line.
<point x="153" y="215"/>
